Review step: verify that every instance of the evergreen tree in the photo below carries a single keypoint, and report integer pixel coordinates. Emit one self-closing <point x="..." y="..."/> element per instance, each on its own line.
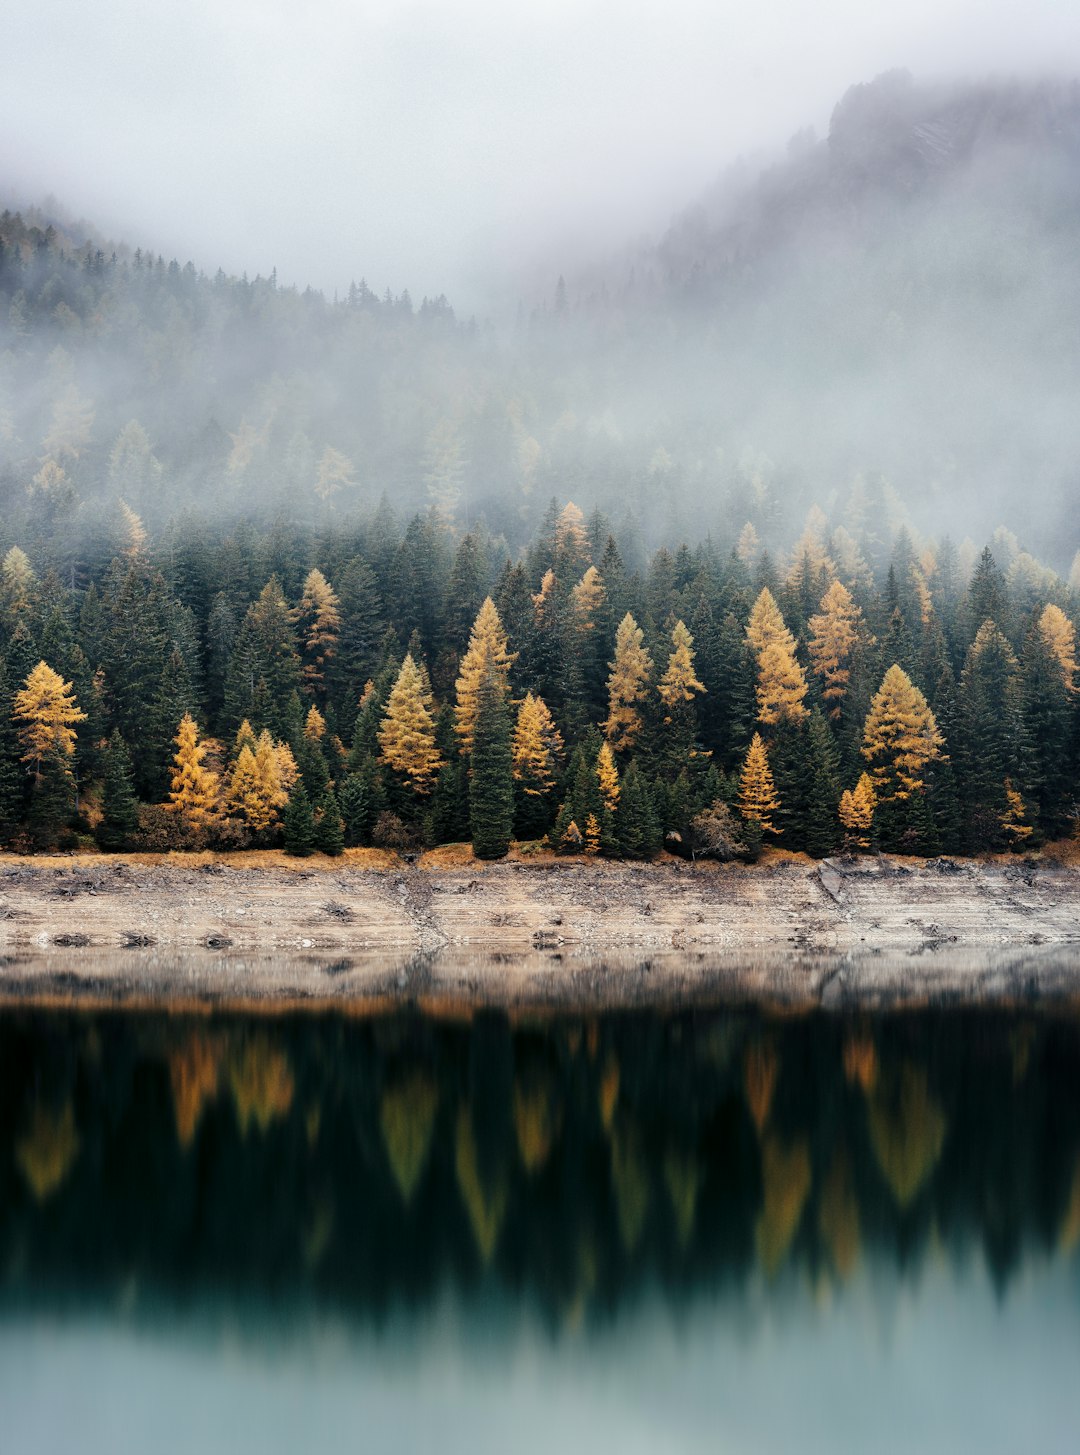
<point x="636" y="825"/>
<point x="264" y="670"/>
<point x="119" y="806"/>
<point x="1048" y="696"/>
<point x="12" y="776"/>
<point x="355" y="801"/>
<point x="328" y="829"/>
<point x="299" y="823"/>
<point x="491" y="785"/>
<point x="821" y="832"/>
<point x="992" y="745"/>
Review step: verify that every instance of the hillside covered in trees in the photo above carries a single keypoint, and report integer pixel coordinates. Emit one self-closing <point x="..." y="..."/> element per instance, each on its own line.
<point x="888" y="308"/>
<point x="217" y="630"/>
<point x="403" y="684"/>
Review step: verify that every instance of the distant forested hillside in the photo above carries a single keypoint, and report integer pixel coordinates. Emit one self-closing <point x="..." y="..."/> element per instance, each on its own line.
<point x="887" y="313"/>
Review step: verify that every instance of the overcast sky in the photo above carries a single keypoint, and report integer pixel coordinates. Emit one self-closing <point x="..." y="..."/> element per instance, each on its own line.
<point x="404" y="141"/>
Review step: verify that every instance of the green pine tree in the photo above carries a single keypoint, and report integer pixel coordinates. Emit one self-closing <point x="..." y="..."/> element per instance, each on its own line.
<point x="299" y="823"/>
<point x="329" y="830"/>
<point x="491" y="786"/>
<point x="119" y="806"/>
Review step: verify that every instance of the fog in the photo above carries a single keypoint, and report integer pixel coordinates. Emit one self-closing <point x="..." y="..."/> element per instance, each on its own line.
<point x="703" y="268"/>
<point x="444" y="147"/>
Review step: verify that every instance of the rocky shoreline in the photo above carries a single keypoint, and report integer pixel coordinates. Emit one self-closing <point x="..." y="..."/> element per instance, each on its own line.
<point x="552" y="931"/>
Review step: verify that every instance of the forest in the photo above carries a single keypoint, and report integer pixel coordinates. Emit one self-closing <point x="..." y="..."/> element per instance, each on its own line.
<point x="403" y="684"/>
<point x="286" y="569"/>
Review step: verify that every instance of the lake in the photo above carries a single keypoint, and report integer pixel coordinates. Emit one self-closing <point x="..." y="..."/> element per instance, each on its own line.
<point x="696" y="1228"/>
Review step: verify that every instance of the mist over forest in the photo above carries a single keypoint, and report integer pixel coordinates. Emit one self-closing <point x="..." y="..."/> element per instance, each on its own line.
<point x="880" y="324"/>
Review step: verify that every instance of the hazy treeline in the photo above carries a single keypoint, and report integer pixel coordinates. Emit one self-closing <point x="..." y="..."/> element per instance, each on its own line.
<point x="892" y="302"/>
<point x="367" y="1164"/>
<point x="381" y="678"/>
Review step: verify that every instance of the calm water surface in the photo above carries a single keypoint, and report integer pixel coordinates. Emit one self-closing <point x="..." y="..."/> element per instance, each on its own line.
<point x="699" y="1230"/>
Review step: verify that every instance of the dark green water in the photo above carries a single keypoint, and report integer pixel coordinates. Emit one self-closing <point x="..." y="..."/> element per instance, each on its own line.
<point x="692" y="1231"/>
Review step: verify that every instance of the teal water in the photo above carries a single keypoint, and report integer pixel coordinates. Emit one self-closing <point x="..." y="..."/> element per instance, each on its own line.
<point x="704" y="1229"/>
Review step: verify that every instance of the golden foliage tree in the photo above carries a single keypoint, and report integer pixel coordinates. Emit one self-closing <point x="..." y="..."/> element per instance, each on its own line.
<point x="314" y="725"/>
<point x="835" y="633"/>
<point x="195" y="789"/>
<point x="537" y="745"/>
<point x="1058" y="633"/>
<point x="570" y="529"/>
<point x="261" y="779"/>
<point x="407" y="731"/>
<point x="46" y="712"/>
<point x="487" y="652"/>
<point x="587" y="601"/>
<point x="1014" y="818"/>
<point x="857" y="811"/>
<point x="679" y="682"/>
<point x="627" y="685"/>
<point x="758" y="800"/>
<point x="900" y="737"/>
<point x="319" y="619"/>
<point x="766" y="623"/>
<point x="781" y="685"/>
<point x="607" y="775"/>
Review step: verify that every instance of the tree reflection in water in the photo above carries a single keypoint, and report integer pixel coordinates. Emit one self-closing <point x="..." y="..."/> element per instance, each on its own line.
<point x="368" y="1162"/>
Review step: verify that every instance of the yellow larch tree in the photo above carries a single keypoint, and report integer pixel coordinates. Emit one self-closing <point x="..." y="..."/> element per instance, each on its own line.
<point x="587" y="601"/>
<point x="1059" y="634"/>
<point x="17" y="585"/>
<point x="781" y="685"/>
<point x="900" y="738"/>
<point x="134" y="532"/>
<point x="314" y="725"/>
<point x="407" y="731"/>
<point x="1014" y="822"/>
<point x="679" y="682"/>
<point x="195" y="790"/>
<point x="536" y="747"/>
<point x="835" y="633"/>
<point x="766" y="623"/>
<point x="758" y="799"/>
<point x="319" y="620"/>
<point x="570" y="529"/>
<point x="607" y="775"/>
<point x="46" y="712"/>
<point x="857" y="811"/>
<point x="277" y="769"/>
<point x="260" y="782"/>
<point x="627" y="685"/>
<point x="243" y="794"/>
<point x="748" y="545"/>
<point x="487" y="652"/>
